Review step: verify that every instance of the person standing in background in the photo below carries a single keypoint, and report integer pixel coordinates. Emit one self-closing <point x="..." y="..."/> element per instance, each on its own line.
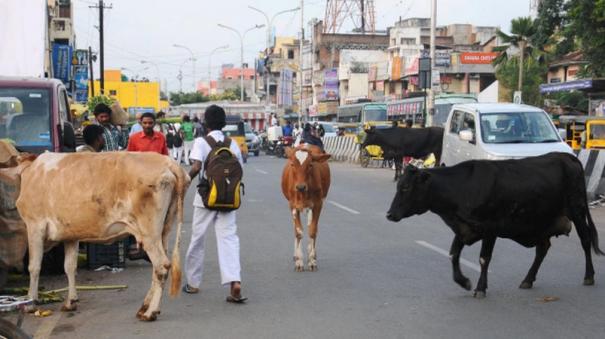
<point x="188" y="130"/>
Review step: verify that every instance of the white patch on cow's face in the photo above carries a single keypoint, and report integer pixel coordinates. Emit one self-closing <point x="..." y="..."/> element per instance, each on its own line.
<point x="51" y="160"/>
<point x="301" y="156"/>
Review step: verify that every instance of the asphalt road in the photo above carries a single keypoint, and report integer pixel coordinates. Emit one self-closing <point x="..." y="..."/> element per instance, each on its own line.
<point x="376" y="279"/>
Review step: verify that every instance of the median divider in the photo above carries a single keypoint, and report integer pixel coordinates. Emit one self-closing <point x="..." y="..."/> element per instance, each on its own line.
<point x="342" y="148"/>
<point x="593" y="162"/>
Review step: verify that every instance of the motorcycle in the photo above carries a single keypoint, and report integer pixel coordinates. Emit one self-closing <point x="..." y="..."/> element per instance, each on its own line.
<point x="282" y="143"/>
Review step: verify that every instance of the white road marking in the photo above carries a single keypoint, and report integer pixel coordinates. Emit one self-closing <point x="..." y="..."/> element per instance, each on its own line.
<point x="261" y="171"/>
<point x="350" y="210"/>
<point x="464" y="262"/>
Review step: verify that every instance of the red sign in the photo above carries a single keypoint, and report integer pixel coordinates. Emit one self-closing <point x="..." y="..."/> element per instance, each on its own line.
<point x="477" y="58"/>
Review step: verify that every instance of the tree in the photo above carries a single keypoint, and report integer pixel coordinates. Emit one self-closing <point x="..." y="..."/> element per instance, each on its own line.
<point x="522" y="31"/>
<point x="508" y="75"/>
<point x="587" y="26"/>
<point x="181" y="98"/>
<point x="551" y="16"/>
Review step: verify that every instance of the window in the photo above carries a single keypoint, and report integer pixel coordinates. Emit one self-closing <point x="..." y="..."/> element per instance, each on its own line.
<point x="290" y="54"/>
<point x="469" y="124"/>
<point x="63" y="105"/>
<point x="456" y="122"/>
<point x="521" y="127"/>
<point x="113" y="92"/>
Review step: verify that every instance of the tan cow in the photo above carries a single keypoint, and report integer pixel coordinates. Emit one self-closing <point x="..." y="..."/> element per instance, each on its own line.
<point x="101" y="197"/>
<point x="305" y="184"/>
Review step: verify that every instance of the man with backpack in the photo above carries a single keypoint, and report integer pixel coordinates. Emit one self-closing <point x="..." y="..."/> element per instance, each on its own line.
<point x="219" y="161"/>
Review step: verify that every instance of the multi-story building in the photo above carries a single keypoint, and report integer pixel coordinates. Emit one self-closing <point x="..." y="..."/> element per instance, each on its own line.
<point x="328" y="49"/>
<point x="463" y="57"/>
<point x="230" y="79"/>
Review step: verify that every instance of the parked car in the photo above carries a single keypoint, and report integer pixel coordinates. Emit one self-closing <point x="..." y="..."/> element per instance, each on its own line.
<point x="252" y="140"/>
<point x="498" y="132"/>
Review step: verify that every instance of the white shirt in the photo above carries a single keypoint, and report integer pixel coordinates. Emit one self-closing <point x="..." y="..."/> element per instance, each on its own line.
<point x="200" y="152"/>
<point x="273" y="121"/>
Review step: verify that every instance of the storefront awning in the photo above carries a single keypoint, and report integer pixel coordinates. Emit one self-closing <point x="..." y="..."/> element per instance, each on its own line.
<point x="566" y="86"/>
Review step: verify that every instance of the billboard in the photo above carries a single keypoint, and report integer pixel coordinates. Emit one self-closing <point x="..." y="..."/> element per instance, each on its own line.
<point x="284" y="97"/>
<point x="396" y="68"/>
<point x="62" y="62"/>
<point x="81" y="82"/>
<point x="331" y="84"/>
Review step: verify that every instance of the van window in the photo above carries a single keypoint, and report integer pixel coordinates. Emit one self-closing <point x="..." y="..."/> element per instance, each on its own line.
<point x="63" y="105"/>
<point x="456" y="122"/>
<point x="469" y="122"/>
<point x="522" y="127"/>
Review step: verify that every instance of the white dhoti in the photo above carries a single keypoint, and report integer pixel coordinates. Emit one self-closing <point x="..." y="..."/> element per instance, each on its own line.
<point x="227" y="246"/>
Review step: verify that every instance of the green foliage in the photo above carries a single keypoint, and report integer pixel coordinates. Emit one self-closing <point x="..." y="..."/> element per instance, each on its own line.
<point x="533" y="74"/>
<point x="550" y="19"/>
<point x="574" y="100"/>
<point x="181" y="98"/>
<point x="94" y="101"/>
<point x="587" y="27"/>
<point x="522" y="31"/>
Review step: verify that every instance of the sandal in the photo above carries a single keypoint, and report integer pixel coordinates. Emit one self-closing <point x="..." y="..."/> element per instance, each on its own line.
<point x="236" y="300"/>
<point x="190" y="290"/>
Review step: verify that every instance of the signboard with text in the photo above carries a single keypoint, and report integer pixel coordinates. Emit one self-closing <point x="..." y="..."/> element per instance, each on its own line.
<point x="331" y="84"/>
<point x="477" y="58"/>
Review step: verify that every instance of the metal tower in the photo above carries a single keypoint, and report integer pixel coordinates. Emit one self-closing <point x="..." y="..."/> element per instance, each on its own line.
<point x="360" y="12"/>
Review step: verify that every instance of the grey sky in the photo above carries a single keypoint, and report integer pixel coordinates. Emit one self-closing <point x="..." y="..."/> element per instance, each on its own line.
<point x="147" y="29"/>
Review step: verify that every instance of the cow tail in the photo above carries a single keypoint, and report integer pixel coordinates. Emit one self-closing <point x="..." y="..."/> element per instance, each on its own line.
<point x="594" y="236"/>
<point x="175" y="268"/>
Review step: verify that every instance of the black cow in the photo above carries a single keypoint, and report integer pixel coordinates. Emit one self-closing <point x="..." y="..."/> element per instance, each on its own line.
<point x="406" y="142"/>
<point x="528" y="201"/>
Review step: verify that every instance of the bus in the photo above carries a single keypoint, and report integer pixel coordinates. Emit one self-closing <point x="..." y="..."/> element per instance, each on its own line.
<point x="362" y="113"/>
<point x="413" y="108"/>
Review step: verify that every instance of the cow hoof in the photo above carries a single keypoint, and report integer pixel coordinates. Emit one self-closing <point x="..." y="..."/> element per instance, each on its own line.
<point x="479" y="294"/>
<point x="299" y="268"/>
<point x="312" y="268"/>
<point x="466" y="284"/>
<point x="588" y="281"/>
<point x="141" y="312"/>
<point x="152" y="317"/>
<point x="526" y="285"/>
<point x="69" y="308"/>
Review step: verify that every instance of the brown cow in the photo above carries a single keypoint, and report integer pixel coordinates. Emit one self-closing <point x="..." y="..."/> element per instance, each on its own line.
<point x="101" y="197"/>
<point x="305" y="184"/>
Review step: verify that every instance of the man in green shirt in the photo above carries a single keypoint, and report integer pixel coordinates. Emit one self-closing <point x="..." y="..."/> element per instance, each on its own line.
<point x="188" y="132"/>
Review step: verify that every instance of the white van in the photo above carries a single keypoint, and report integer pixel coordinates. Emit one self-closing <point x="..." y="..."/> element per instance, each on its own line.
<point x="498" y="132"/>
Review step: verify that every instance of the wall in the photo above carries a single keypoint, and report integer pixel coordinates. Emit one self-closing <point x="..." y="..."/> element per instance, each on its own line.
<point x="133" y="94"/>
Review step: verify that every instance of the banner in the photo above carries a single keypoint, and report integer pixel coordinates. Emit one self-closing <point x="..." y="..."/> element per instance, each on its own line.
<point x="81" y="81"/>
<point x="284" y="97"/>
<point x="331" y="84"/>
<point x="80" y="57"/>
<point x="62" y="62"/>
<point x="396" y="68"/>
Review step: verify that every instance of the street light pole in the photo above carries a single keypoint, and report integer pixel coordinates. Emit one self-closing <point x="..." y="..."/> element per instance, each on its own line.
<point x="269" y="42"/>
<point x="210" y="65"/>
<point x="241" y="40"/>
<point x="159" y="79"/>
<point x="429" y="117"/>
<point x="192" y="61"/>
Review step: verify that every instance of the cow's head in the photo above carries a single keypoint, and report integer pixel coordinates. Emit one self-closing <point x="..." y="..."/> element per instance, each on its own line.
<point x="412" y="194"/>
<point x="301" y="161"/>
<point x="371" y="137"/>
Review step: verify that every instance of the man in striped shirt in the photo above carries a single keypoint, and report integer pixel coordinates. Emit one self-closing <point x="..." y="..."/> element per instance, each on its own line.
<point x="114" y="139"/>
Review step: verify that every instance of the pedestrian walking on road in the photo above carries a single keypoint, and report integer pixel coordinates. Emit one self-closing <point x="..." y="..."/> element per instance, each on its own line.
<point x="148" y="140"/>
<point x="114" y="139"/>
<point x="188" y="136"/>
<point x="224" y="223"/>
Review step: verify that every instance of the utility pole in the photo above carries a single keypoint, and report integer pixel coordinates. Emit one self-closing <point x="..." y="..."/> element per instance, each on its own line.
<point x="429" y="117"/>
<point x="300" y="62"/>
<point x="92" y="77"/>
<point x="363" y="18"/>
<point x="101" y="7"/>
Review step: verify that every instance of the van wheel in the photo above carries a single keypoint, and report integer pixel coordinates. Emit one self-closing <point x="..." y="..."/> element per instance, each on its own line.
<point x="256" y="153"/>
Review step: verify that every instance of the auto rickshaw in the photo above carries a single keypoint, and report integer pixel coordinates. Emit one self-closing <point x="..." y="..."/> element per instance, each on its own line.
<point x="236" y="131"/>
<point x="372" y="152"/>
<point x="583" y="131"/>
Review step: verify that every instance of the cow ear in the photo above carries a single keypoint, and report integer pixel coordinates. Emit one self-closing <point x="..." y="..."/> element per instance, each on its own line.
<point x="289" y="152"/>
<point x="320" y="157"/>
